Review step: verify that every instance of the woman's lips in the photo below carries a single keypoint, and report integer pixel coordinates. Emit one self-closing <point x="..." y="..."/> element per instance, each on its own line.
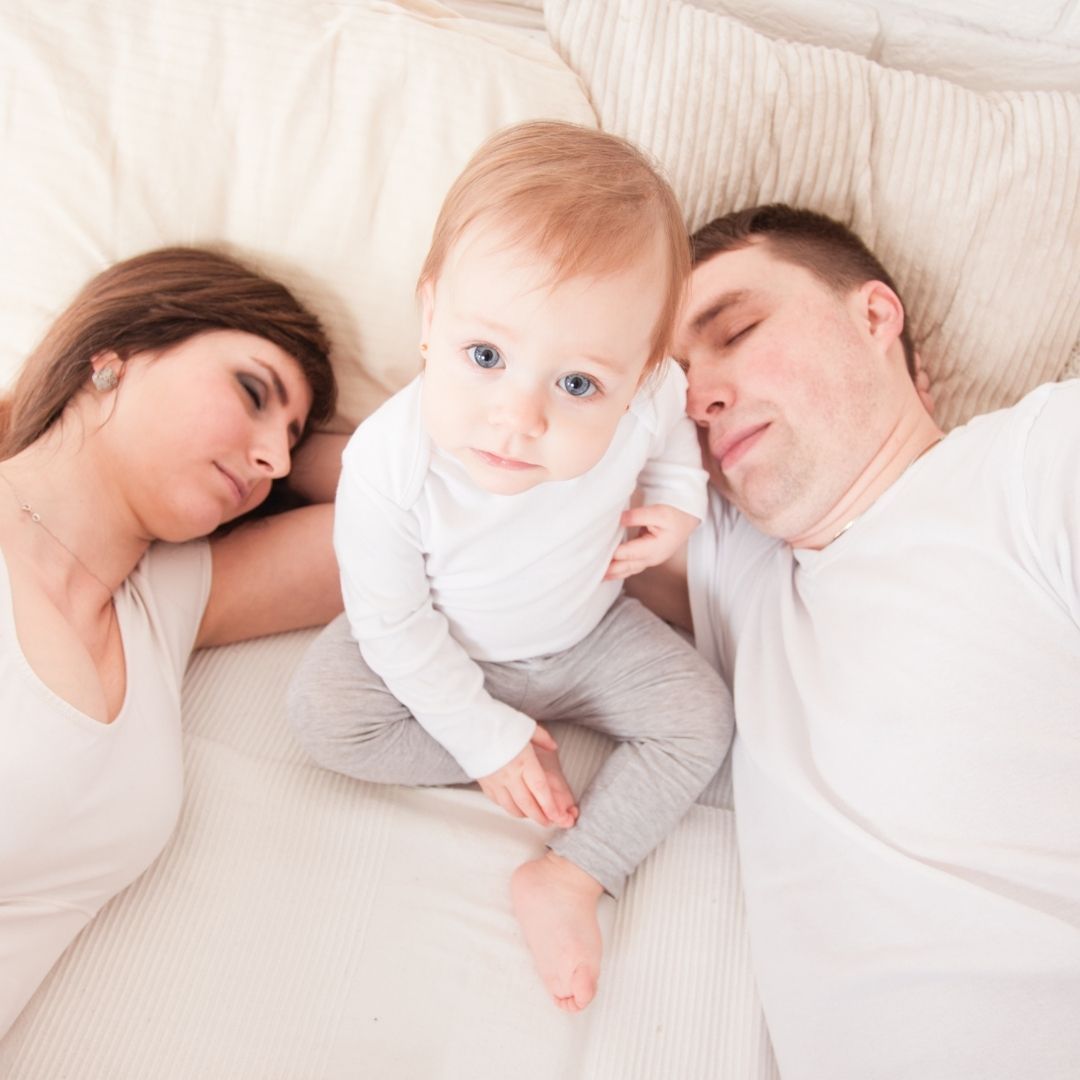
<point x="240" y="491"/>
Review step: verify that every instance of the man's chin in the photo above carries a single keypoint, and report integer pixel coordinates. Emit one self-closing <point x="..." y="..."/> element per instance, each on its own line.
<point x="770" y="520"/>
<point x="716" y="476"/>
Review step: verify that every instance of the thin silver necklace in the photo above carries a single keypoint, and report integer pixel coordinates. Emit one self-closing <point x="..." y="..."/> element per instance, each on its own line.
<point x="36" y="518"/>
<point x="924" y="450"/>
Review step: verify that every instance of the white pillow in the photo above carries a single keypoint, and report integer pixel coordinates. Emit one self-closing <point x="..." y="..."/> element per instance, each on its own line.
<point x="983" y="44"/>
<point x="971" y="200"/>
<point x="316" y="139"/>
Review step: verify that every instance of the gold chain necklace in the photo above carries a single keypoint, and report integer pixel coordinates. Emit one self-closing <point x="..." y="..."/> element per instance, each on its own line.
<point x="36" y="518"/>
<point x="924" y="450"/>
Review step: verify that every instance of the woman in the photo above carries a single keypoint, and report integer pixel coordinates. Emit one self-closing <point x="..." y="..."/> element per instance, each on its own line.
<point x="162" y="404"/>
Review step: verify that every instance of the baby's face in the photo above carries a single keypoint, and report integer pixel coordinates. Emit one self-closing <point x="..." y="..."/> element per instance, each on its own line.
<point x="525" y="382"/>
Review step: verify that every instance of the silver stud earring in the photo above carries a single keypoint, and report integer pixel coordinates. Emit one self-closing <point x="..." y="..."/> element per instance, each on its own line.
<point x="104" y="379"/>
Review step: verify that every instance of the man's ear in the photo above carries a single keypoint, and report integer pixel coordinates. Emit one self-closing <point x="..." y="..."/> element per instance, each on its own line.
<point x="883" y="313"/>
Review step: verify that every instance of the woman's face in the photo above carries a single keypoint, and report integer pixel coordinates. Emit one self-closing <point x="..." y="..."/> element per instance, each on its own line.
<point x="197" y="433"/>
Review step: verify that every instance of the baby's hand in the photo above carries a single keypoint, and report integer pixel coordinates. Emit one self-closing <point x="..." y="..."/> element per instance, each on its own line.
<point x="663" y="531"/>
<point x="524" y="788"/>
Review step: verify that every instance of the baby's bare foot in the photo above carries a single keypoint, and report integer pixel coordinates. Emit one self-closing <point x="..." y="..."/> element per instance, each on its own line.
<point x="555" y="903"/>
<point x="560" y="789"/>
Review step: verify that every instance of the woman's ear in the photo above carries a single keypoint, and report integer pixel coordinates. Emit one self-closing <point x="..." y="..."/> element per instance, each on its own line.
<point x="106" y="369"/>
<point x="103" y="359"/>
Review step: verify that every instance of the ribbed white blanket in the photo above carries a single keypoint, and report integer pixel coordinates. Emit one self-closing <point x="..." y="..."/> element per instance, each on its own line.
<point x="303" y="925"/>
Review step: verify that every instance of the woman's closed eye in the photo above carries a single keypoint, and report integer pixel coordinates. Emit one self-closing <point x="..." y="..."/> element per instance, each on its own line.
<point x="255" y="389"/>
<point x="485" y="356"/>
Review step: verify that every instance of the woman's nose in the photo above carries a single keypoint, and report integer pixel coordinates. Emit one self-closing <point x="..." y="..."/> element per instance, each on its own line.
<point x="272" y="453"/>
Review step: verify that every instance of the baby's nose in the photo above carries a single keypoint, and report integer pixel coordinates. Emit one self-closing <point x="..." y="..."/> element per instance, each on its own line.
<point x="522" y="412"/>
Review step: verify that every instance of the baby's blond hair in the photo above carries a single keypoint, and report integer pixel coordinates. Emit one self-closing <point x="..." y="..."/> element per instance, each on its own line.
<point x="588" y="201"/>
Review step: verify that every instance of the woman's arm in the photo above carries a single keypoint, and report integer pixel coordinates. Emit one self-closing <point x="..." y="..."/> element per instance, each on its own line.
<point x="316" y="467"/>
<point x="275" y="574"/>
<point x="279" y="572"/>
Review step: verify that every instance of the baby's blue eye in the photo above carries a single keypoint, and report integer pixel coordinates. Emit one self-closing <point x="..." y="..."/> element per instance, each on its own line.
<point x="485" y="356"/>
<point x="577" y="385"/>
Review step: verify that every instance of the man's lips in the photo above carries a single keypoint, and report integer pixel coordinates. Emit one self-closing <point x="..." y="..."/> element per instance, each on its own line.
<point x="501" y="462"/>
<point x="733" y="446"/>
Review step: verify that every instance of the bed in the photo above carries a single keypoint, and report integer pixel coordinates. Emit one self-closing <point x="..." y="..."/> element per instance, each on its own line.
<point x="303" y="925"/>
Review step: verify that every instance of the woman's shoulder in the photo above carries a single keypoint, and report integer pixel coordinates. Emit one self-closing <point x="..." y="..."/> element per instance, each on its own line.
<point x="169" y="589"/>
<point x="167" y="566"/>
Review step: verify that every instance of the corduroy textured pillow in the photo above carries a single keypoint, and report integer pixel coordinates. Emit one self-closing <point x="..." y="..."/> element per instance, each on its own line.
<point x="970" y="199"/>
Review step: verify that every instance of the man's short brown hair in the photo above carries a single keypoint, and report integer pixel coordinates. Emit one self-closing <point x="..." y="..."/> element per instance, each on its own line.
<point x="825" y="247"/>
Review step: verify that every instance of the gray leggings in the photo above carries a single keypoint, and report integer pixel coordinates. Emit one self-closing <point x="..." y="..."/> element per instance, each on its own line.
<point x="633" y="678"/>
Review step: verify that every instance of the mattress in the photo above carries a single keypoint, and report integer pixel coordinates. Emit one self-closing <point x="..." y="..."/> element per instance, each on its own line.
<point x="303" y="925"/>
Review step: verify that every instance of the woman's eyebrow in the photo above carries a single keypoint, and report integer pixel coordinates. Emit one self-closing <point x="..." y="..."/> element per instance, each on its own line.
<point x="279" y="387"/>
<point x="280" y="393"/>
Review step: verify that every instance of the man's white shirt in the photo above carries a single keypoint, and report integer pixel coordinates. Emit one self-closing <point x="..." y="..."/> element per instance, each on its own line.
<point x="907" y="760"/>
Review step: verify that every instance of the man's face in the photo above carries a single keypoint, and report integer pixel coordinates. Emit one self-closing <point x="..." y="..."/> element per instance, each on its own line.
<point x="788" y="386"/>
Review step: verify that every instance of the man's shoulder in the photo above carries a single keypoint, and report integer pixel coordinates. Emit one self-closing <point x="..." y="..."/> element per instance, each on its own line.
<point x="726" y="557"/>
<point x="1053" y="405"/>
<point x="1046" y="403"/>
<point x="1020" y="438"/>
<point x="732" y="534"/>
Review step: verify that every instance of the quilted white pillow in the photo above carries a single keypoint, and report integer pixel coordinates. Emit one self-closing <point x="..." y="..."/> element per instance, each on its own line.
<point x="983" y="44"/>
<point x="972" y="200"/>
<point x="314" y="138"/>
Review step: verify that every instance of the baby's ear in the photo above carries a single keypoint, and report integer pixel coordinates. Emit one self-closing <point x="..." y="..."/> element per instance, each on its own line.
<point x="426" y="294"/>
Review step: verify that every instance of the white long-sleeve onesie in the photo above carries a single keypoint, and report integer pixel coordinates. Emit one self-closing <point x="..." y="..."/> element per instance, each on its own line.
<point x="437" y="573"/>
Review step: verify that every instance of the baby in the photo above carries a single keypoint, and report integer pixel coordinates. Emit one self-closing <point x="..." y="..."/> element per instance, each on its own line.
<point x="480" y="532"/>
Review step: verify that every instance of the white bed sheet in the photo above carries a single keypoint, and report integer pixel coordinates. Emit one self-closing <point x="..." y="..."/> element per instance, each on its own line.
<point x="303" y="925"/>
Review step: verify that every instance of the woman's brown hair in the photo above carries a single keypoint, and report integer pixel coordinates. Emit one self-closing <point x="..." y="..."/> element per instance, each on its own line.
<point x="147" y="304"/>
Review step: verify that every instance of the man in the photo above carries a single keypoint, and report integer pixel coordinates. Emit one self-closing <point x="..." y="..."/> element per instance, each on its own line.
<point x="899" y="616"/>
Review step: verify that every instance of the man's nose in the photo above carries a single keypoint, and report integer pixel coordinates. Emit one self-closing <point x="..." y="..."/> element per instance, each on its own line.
<point x="706" y="395"/>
